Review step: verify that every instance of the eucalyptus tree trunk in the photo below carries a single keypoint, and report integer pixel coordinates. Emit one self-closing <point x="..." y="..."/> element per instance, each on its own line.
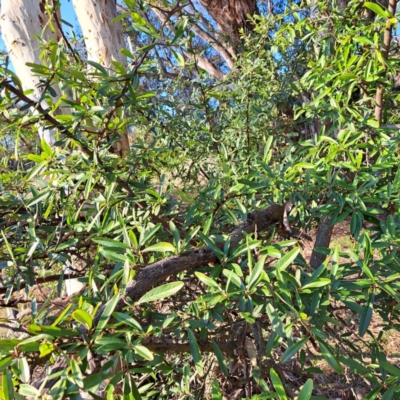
<point x="20" y="20"/>
<point x="103" y="39"/>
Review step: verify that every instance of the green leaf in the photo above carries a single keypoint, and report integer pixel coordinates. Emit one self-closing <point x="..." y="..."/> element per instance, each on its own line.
<point x="280" y="390"/>
<point x="195" y="351"/>
<point x="24" y="371"/>
<point x="41" y="197"/>
<point x="293" y="349"/>
<point x="179" y="58"/>
<point x="219" y="253"/>
<point x="105" y="242"/>
<point x="46" y="349"/>
<point x="390" y="368"/>
<point x="46" y="148"/>
<point x="287" y="259"/>
<point x="377" y="9"/>
<point x="234" y="278"/>
<point x="128" y="320"/>
<point x="318" y="283"/>
<point x="7" y="385"/>
<point x="76" y="373"/>
<point x="98" y="67"/>
<point x="130" y="389"/>
<point x="388" y="395"/>
<point x="220" y="358"/>
<point x="138" y="19"/>
<point x="366" y="315"/>
<point x="306" y="390"/>
<point x="28" y="391"/>
<point x="329" y="356"/>
<point x="105" y="316"/>
<point x="5" y="362"/>
<point x="112" y="255"/>
<point x="275" y="320"/>
<point x="207" y="281"/>
<point x="216" y="391"/>
<point x="305" y="165"/>
<point x="161" y="247"/>
<point x="161" y="292"/>
<point x="256" y="273"/>
<point x="180" y="30"/>
<point x="83" y="317"/>
<point x="143" y="352"/>
<point x="354" y="365"/>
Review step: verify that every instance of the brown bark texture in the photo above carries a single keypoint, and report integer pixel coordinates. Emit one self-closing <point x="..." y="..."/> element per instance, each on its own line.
<point x="231" y="15"/>
<point x="323" y="239"/>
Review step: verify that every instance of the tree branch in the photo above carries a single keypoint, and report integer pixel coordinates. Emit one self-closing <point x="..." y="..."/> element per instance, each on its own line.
<point x="161" y="270"/>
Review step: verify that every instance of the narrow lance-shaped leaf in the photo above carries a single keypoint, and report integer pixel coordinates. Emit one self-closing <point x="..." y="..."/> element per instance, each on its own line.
<point x="256" y="273"/>
<point x="220" y="357"/>
<point x="329" y="356"/>
<point x="306" y="390"/>
<point x="280" y="390"/>
<point x="160" y="247"/>
<point x="161" y="292"/>
<point x="293" y="349"/>
<point x="195" y="351"/>
<point x="287" y="259"/>
<point x="207" y="280"/>
<point x="275" y="320"/>
<point x="105" y="316"/>
<point x="366" y="315"/>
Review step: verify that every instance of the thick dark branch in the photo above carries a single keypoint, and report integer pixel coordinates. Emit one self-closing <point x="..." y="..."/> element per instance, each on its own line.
<point x="205" y="346"/>
<point x="159" y="271"/>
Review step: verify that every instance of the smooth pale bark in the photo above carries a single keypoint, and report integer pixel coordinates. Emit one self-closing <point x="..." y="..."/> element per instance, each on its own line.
<point x="103" y="39"/>
<point x="20" y="20"/>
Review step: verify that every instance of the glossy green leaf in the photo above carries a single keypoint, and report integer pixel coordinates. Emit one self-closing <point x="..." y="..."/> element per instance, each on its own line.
<point x="161" y="247"/>
<point x="329" y="356"/>
<point x="278" y="386"/>
<point x="161" y="292"/>
<point x="207" y="281"/>
<point x="143" y="352"/>
<point x="106" y="314"/>
<point x="306" y="391"/>
<point x="293" y="349"/>
<point x="287" y="259"/>
<point x="83" y="317"/>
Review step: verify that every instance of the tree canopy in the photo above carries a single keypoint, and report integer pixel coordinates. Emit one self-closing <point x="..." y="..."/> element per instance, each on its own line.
<point x="162" y="177"/>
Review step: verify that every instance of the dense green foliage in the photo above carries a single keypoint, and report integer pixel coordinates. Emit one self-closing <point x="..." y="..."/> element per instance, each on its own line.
<point x="205" y="155"/>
